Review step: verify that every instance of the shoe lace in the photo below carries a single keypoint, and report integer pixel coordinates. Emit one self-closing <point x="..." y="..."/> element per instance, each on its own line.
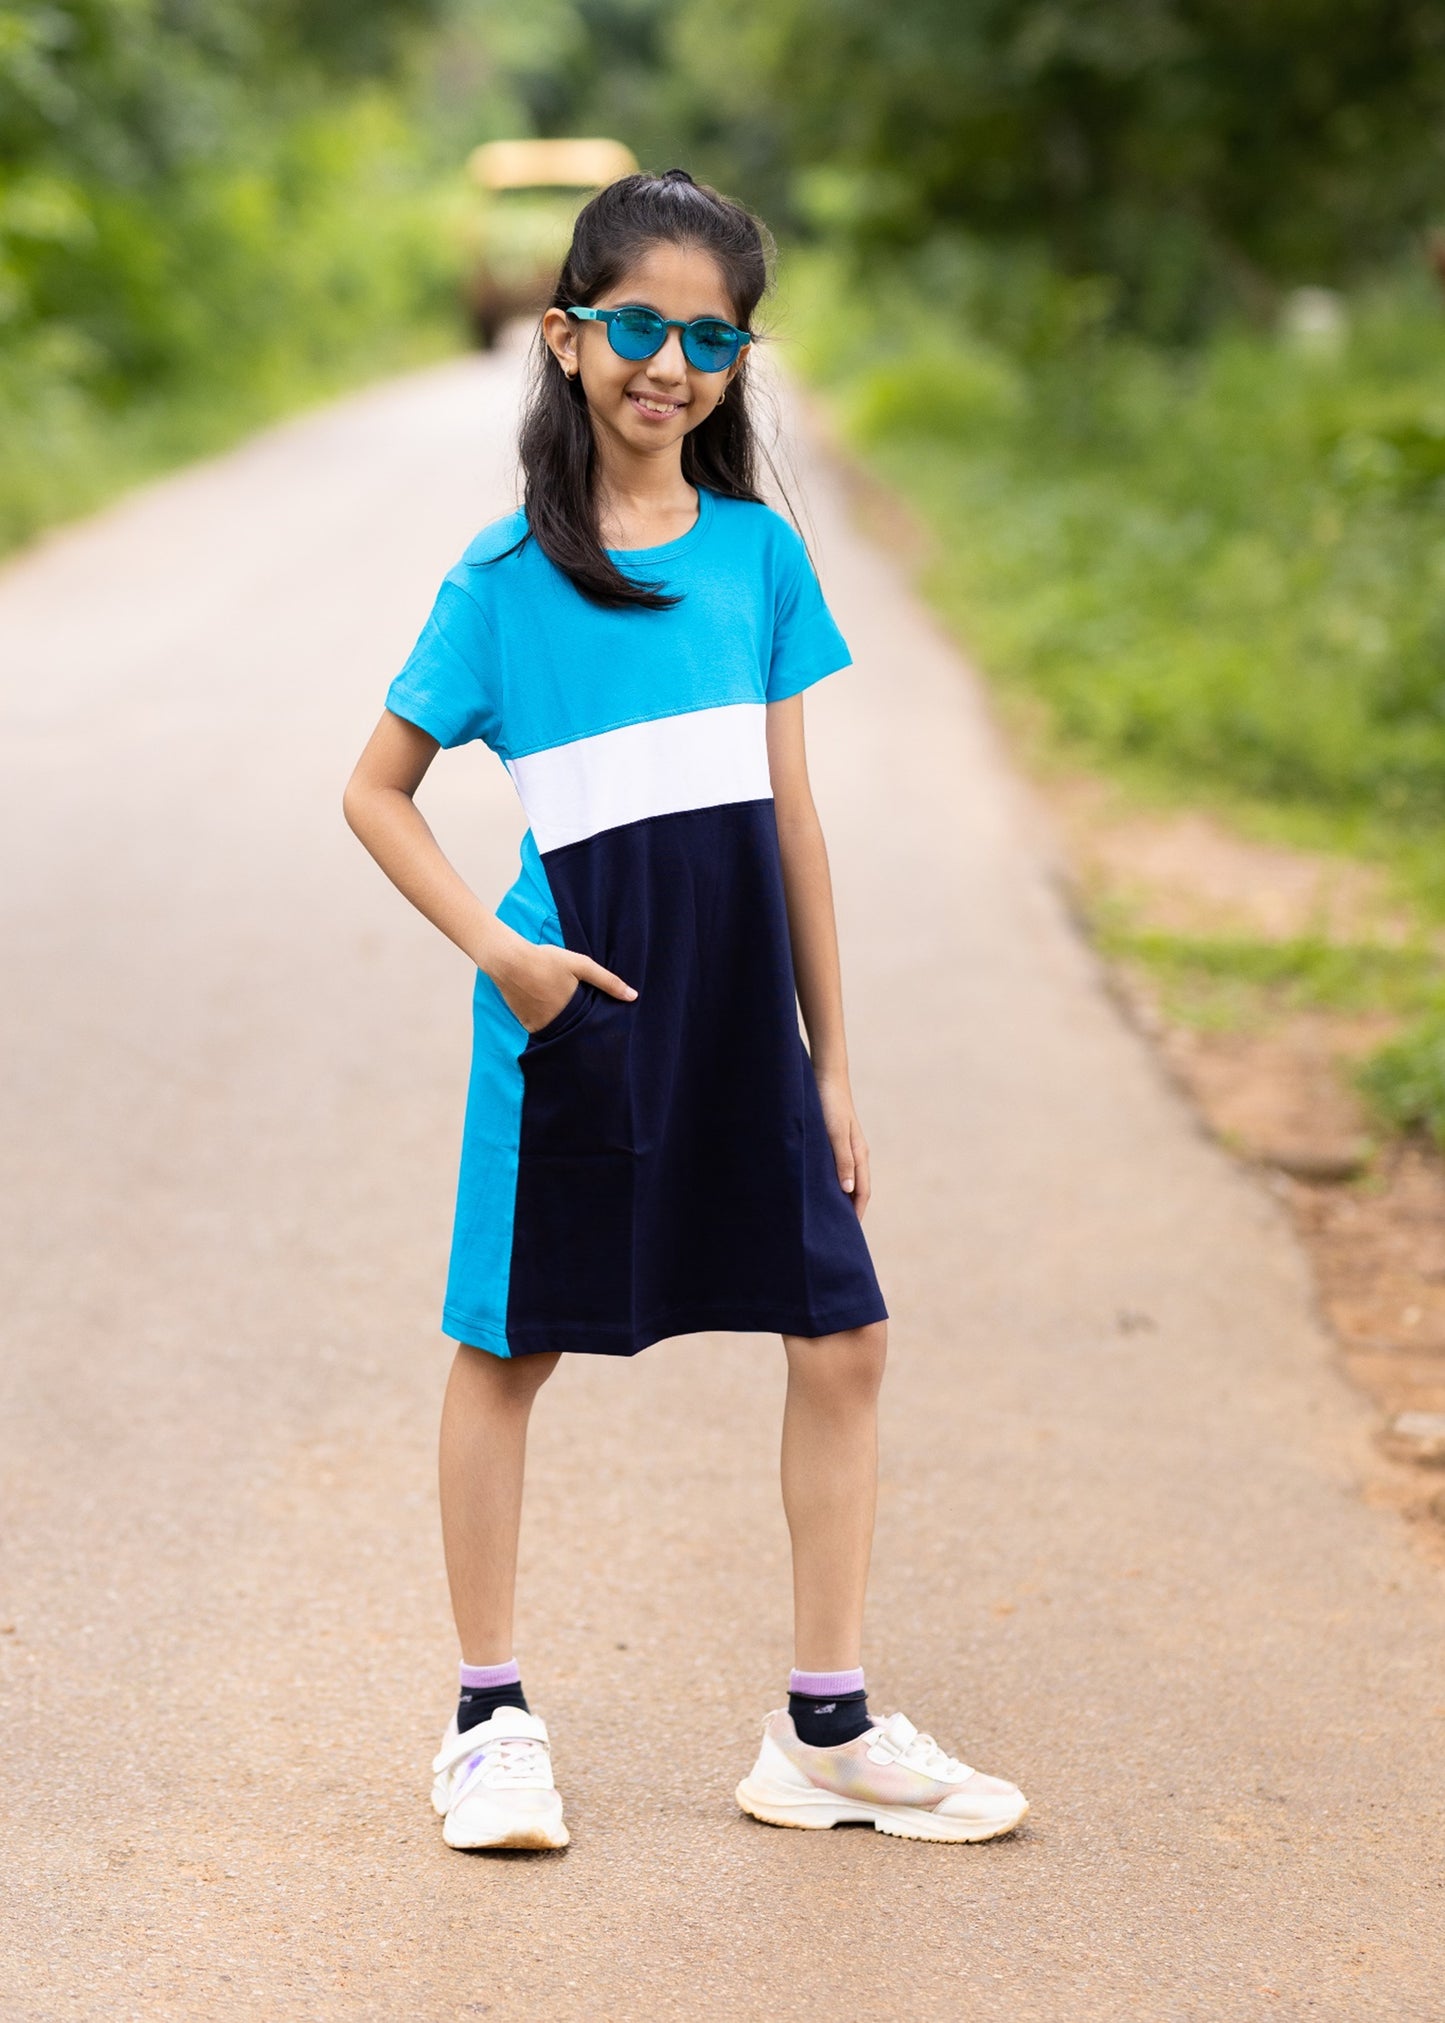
<point x="508" y="1757"/>
<point x="924" y="1754"/>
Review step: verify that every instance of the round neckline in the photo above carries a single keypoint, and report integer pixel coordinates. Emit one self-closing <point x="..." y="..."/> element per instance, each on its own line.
<point x="667" y="549"/>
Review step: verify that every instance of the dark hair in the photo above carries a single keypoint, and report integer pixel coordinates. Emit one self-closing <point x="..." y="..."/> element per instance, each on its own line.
<point x="557" y="449"/>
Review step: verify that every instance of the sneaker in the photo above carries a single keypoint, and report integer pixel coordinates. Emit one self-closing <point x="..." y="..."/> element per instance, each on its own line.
<point x="893" y="1777"/>
<point x="493" y="1785"/>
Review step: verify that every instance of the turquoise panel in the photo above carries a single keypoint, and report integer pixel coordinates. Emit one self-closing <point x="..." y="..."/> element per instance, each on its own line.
<point x="478" y="1275"/>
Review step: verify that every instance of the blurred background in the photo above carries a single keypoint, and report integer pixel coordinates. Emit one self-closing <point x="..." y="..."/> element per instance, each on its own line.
<point x="1115" y="329"/>
<point x="1135" y="305"/>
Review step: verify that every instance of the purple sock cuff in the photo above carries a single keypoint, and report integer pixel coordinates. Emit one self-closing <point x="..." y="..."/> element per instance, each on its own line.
<point x="817" y="1684"/>
<point x="482" y="1676"/>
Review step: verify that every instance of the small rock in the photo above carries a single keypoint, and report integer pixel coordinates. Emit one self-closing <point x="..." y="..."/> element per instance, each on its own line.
<point x="1328" y="1164"/>
<point x="1418" y="1436"/>
<point x="1134" y="1320"/>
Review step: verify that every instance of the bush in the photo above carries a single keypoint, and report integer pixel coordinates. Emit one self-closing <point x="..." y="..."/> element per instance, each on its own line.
<point x="181" y="257"/>
<point x="1220" y="567"/>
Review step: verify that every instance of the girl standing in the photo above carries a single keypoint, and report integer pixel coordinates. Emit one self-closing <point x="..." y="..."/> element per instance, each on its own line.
<point x="649" y="1148"/>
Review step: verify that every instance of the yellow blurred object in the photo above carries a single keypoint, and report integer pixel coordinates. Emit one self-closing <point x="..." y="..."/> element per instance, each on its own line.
<point x="549" y="164"/>
<point x="528" y="195"/>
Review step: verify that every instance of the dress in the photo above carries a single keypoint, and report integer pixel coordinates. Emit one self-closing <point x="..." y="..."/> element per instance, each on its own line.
<point x="655" y="1167"/>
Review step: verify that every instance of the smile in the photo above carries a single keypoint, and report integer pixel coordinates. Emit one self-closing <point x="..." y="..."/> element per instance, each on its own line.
<point x="645" y="404"/>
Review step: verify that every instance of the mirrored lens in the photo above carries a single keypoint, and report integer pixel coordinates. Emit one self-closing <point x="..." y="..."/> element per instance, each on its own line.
<point x="710" y="346"/>
<point x="636" y="333"/>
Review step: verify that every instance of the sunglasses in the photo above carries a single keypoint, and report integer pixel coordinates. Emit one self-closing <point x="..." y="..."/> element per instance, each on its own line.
<point x="708" y="344"/>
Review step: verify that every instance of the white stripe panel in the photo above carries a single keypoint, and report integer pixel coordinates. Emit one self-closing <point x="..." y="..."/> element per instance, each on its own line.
<point x="698" y="760"/>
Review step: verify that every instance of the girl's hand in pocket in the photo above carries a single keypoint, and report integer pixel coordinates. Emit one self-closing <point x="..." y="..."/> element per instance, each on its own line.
<point x="538" y="981"/>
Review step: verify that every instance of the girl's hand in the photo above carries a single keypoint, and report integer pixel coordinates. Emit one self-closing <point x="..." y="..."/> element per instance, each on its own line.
<point x="537" y="981"/>
<point x="845" y="1135"/>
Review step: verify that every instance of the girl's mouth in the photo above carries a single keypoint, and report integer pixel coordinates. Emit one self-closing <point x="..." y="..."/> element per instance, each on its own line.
<point x="655" y="410"/>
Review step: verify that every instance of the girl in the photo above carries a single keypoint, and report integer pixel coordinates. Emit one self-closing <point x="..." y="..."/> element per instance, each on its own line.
<point x="649" y="1148"/>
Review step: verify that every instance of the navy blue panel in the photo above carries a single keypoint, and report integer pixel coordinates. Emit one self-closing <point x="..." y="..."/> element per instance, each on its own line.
<point x="674" y="1174"/>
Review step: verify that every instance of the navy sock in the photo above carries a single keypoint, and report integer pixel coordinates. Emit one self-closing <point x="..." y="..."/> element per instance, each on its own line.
<point x="480" y="1703"/>
<point x="824" y="1722"/>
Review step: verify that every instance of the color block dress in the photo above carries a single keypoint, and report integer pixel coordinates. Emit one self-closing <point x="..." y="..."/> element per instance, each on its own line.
<point x="636" y="1170"/>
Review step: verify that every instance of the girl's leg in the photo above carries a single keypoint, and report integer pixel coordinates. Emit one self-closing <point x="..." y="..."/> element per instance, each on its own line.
<point x="825" y="1761"/>
<point x="483" y="1451"/>
<point x="830" y="1488"/>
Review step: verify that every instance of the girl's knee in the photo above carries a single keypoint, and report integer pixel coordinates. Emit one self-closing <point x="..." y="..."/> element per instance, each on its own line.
<point x="845" y="1366"/>
<point x="533" y="1371"/>
<point x="510" y="1378"/>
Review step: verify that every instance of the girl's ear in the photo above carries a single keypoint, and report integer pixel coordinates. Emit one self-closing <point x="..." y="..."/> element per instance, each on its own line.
<point x="560" y="333"/>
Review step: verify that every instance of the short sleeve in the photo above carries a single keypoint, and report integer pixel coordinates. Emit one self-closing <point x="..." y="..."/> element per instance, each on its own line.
<point x="806" y="642"/>
<point x="450" y="683"/>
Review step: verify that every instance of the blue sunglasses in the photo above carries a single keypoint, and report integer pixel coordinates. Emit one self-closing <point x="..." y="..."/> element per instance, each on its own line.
<point x="708" y="344"/>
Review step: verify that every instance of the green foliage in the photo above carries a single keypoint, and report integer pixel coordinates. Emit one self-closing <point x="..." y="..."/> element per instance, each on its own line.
<point x="1196" y="153"/>
<point x="1223" y="569"/>
<point x="205" y="215"/>
<point x="1406" y="1080"/>
<point x="955" y="393"/>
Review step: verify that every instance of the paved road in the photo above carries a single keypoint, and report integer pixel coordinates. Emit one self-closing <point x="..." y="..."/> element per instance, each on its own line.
<point x="1125" y="1562"/>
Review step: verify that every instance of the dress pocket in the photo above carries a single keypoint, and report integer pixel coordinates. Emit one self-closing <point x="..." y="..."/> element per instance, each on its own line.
<point x="577" y="1075"/>
<point x="563" y="1021"/>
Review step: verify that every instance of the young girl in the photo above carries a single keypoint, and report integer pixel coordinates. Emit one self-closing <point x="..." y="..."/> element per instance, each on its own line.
<point x="649" y="1148"/>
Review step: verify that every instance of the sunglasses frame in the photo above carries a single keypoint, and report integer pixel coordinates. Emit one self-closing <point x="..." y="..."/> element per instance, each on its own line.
<point x="665" y="323"/>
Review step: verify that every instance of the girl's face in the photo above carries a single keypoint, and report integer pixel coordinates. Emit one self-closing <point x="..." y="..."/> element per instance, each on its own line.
<point x="648" y="404"/>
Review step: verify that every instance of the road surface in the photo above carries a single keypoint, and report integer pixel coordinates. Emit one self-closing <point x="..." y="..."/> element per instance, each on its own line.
<point x="1122" y="1558"/>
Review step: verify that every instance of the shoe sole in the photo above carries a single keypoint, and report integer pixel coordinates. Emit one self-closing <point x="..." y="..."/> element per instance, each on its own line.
<point x="822" y="1809"/>
<point x="537" y="1833"/>
<point x="535" y="1836"/>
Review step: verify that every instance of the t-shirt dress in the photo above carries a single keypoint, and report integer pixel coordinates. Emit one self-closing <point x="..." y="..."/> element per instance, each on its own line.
<point x="636" y="1170"/>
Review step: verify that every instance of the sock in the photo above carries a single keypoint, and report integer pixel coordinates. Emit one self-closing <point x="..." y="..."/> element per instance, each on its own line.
<point x="485" y="1688"/>
<point x="828" y="1708"/>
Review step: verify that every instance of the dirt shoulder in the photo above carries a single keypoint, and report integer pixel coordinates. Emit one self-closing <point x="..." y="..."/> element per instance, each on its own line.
<point x="1274" y="1081"/>
<point x="1275" y="1084"/>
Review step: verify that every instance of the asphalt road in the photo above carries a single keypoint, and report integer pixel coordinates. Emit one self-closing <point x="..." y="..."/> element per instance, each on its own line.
<point x="1123" y="1556"/>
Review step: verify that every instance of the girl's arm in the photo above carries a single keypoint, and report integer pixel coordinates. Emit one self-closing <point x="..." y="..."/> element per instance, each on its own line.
<point x="814" y="935"/>
<point x="536" y="982"/>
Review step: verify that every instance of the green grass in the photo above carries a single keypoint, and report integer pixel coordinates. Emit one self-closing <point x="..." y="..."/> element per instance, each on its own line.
<point x="1224" y="982"/>
<point x="1406" y="1080"/>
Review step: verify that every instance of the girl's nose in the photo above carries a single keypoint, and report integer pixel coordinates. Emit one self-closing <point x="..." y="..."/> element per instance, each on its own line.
<point x="668" y="362"/>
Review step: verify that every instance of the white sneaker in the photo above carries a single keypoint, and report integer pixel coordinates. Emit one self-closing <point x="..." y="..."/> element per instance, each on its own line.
<point x="493" y="1785"/>
<point x="894" y="1778"/>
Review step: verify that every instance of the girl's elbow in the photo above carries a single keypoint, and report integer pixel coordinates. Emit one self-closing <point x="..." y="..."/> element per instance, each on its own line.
<point x="355" y="800"/>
